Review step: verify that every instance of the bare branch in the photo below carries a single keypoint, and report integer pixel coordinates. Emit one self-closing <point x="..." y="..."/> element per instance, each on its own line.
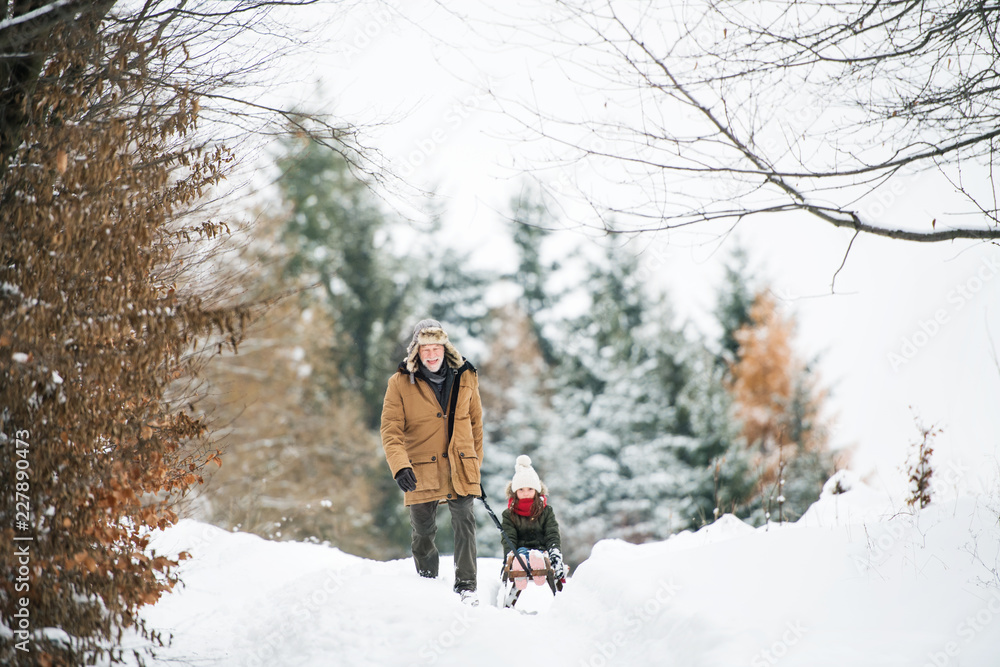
<point x="728" y="110"/>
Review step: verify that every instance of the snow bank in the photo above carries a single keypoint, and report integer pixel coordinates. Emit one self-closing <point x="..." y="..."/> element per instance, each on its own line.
<point x="846" y="500"/>
<point x="852" y="583"/>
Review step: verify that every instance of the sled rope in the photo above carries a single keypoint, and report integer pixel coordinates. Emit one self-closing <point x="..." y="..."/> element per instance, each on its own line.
<point x="496" y="521"/>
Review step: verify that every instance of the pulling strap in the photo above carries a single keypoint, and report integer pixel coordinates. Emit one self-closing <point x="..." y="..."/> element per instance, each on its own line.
<point x="520" y="559"/>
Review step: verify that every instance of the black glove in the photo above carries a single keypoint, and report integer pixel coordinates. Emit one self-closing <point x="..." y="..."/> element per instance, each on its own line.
<point x="558" y="567"/>
<point x="406" y="480"/>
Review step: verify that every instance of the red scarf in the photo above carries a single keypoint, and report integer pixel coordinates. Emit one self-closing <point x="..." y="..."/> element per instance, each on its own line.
<point x="522" y="506"/>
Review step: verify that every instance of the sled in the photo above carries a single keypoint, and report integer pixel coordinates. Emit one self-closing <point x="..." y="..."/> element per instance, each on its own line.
<point x="517" y="579"/>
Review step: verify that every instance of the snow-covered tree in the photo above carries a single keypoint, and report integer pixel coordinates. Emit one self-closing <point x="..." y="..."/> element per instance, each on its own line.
<point x="517" y="372"/>
<point x="532" y="221"/>
<point x="735" y="297"/>
<point x="724" y="477"/>
<point x="452" y="292"/>
<point x="642" y="418"/>
<point x="515" y="387"/>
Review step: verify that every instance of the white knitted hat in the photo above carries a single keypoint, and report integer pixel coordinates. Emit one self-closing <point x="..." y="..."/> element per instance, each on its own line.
<point x="525" y="476"/>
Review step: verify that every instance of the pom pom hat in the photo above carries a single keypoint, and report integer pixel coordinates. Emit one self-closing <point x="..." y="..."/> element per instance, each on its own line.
<point x="525" y="476"/>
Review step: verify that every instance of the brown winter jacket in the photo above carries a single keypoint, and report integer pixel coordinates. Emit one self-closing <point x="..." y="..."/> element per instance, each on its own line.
<point x="415" y="435"/>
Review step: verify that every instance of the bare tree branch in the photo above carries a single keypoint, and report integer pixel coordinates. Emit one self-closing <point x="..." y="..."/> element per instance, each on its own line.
<point x="725" y="110"/>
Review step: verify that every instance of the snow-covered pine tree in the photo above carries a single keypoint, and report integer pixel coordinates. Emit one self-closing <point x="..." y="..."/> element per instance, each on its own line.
<point x="723" y="475"/>
<point x="454" y="293"/>
<point x="338" y="239"/>
<point x="734" y="299"/>
<point x="531" y="224"/>
<point x="517" y="409"/>
<point x="639" y="422"/>
<point x="518" y="367"/>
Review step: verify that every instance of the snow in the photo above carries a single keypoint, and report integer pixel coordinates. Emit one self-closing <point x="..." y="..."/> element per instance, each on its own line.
<point x="6" y="24"/>
<point x="853" y="582"/>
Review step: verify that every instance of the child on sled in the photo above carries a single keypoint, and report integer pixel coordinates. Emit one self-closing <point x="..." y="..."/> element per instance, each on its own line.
<point x="529" y="521"/>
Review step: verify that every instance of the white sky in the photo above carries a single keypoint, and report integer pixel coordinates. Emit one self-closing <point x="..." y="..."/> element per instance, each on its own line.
<point x="932" y="305"/>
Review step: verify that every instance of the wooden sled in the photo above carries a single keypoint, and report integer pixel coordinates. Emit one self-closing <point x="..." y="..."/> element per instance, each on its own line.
<point x="517" y="579"/>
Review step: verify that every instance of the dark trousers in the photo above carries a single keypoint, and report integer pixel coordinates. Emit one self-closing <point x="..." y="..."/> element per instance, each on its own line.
<point x="423" y="520"/>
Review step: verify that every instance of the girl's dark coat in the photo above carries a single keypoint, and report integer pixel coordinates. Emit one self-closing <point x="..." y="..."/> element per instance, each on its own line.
<point x="541" y="533"/>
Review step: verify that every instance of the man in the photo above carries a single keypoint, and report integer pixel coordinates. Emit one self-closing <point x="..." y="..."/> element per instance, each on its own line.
<point x="432" y="433"/>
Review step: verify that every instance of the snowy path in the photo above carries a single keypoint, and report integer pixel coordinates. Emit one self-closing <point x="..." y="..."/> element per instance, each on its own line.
<point x="828" y="591"/>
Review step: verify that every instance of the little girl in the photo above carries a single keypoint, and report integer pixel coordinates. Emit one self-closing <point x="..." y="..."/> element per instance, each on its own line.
<point x="528" y="521"/>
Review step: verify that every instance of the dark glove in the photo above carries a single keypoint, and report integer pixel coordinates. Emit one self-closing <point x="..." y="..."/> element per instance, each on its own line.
<point x="406" y="480"/>
<point x="558" y="567"/>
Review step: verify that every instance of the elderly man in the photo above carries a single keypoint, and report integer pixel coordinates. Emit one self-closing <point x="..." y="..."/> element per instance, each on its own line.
<point x="432" y="433"/>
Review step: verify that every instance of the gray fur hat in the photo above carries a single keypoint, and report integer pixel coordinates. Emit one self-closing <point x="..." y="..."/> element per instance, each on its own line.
<point x="430" y="332"/>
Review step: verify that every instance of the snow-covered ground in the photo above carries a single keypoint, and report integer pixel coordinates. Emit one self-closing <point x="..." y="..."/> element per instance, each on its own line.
<point x="851" y="584"/>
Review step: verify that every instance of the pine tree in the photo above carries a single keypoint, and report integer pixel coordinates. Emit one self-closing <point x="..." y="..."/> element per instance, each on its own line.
<point x="519" y="363"/>
<point x="724" y="477"/>
<point x="735" y="299"/>
<point x="338" y="237"/>
<point x="626" y="424"/>
<point x="532" y="220"/>
<point x="517" y="404"/>
<point x="453" y="293"/>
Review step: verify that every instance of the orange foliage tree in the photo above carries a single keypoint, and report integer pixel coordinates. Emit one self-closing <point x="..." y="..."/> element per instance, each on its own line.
<point x="762" y="375"/>
<point x="100" y="183"/>
<point x="777" y="403"/>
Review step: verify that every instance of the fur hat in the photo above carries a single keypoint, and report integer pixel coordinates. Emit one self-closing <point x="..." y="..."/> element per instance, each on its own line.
<point x="525" y="477"/>
<point x="429" y="332"/>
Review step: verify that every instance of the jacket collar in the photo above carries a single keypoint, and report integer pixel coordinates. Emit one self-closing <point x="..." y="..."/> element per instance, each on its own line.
<point x="466" y="365"/>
